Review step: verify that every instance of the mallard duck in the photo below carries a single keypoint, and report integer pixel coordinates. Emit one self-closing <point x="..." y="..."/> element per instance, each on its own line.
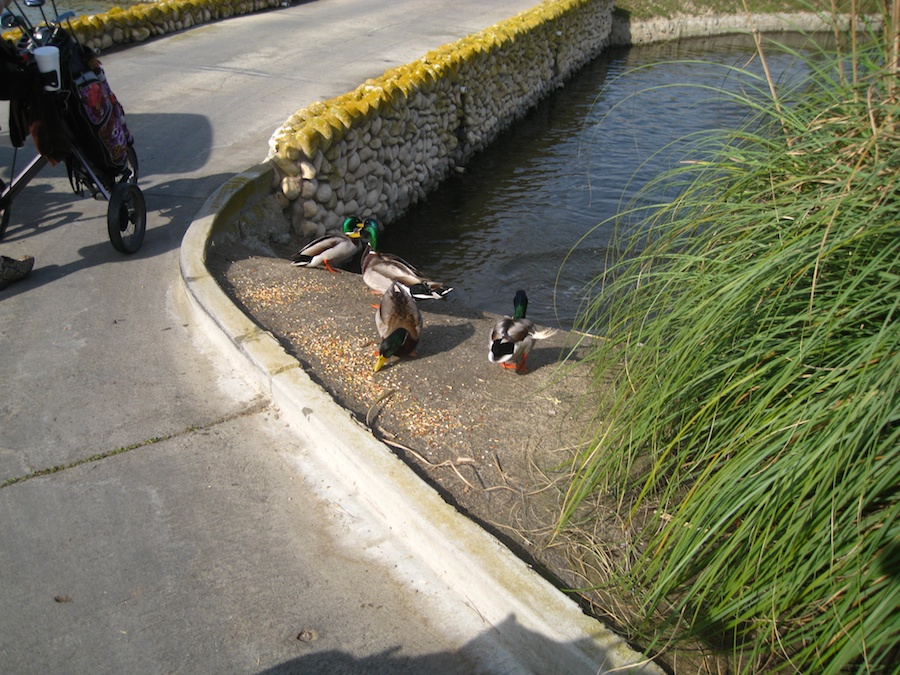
<point x="332" y="248"/>
<point x="513" y="336"/>
<point x="399" y="324"/>
<point x="379" y="270"/>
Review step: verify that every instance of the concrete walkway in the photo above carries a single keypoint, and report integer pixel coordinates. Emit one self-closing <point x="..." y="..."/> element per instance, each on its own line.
<point x="168" y="504"/>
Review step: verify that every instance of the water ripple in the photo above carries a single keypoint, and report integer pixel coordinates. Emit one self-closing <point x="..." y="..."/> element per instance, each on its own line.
<point x="527" y="212"/>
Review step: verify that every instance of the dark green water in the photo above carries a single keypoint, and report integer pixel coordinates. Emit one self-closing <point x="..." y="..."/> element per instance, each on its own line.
<point x="527" y="212"/>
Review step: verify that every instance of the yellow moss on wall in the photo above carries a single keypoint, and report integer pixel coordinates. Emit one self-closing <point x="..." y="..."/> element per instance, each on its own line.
<point x="397" y="86"/>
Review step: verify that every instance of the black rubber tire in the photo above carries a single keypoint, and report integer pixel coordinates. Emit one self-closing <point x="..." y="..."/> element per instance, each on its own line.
<point x="126" y="218"/>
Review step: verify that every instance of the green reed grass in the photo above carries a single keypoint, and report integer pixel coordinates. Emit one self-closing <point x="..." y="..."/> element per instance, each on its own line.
<point x="753" y="345"/>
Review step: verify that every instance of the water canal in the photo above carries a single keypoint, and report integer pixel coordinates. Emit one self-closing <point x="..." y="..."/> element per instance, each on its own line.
<point x="535" y="210"/>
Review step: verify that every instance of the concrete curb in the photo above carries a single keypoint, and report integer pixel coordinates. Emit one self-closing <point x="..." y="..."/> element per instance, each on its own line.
<point x="473" y="564"/>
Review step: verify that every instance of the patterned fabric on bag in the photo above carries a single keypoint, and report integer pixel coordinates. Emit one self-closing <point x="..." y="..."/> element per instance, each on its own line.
<point x="106" y="116"/>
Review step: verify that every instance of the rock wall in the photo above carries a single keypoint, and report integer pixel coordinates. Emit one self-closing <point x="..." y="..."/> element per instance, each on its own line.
<point x="380" y="148"/>
<point x="625" y="32"/>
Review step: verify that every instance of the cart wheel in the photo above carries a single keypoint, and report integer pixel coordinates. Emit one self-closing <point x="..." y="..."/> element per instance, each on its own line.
<point x="126" y="218"/>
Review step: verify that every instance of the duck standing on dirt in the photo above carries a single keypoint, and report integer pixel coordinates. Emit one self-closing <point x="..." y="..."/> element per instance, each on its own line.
<point x="512" y="337"/>
<point x="380" y="270"/>
<point x="399" y="324"/>
<point x="331" y="249"/>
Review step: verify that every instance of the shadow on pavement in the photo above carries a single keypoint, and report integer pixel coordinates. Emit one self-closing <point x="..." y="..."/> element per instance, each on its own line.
<point x="480" y="655"/>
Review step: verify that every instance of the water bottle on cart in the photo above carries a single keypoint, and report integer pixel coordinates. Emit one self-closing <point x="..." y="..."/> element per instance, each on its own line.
<point x="59" y="96"/>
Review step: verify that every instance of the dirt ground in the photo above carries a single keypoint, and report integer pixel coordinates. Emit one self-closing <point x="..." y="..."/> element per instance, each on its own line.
<point x="496" y="443"/>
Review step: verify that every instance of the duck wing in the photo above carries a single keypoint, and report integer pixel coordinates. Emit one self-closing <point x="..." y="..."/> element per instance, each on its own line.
<point x="513" y="330"/>
<point x="398" y="310"/>
<point x="399" y="324"/>
<point x="390" y="267"/>
<point x="510" y="338"/>
<point x="381" y="269"/>
<point x="335" y="248"/>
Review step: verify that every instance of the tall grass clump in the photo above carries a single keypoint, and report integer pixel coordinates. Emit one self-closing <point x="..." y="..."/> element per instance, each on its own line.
<point x="752" y="434"/>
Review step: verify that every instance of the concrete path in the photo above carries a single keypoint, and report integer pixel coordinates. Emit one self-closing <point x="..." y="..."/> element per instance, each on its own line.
<point x="159" y="515"/>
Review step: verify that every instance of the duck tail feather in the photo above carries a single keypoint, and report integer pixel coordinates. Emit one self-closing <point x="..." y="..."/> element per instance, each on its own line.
<point x="428" y="291"/>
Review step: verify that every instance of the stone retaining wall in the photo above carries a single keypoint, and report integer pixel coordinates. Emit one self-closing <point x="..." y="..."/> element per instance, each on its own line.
<point x="380" y="148"/>
<point x="625" y="32"/>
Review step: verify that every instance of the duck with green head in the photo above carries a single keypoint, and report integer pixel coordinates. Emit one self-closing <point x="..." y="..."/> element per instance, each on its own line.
<point x="380" y="270"/>
<point x="332" y="249"/>
<point x="399" y="324"/>
<point x="513" y="337"/>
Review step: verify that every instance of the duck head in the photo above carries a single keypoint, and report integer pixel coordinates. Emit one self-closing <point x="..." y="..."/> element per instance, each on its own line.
<point x="369" y="232"/>
<point x="520" y="305"/>
<point x="351" y="224"/>
<point x="398" y="343"/>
